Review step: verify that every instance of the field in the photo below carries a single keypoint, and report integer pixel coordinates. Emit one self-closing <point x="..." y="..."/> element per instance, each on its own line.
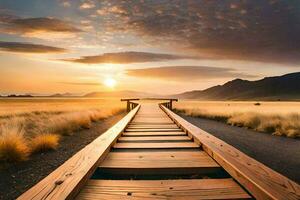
<point x="36" y="125"/>
<point x="278" y="118"/>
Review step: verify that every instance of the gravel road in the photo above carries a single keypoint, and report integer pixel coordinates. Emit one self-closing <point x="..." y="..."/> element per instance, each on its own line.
<point x="279" y="153"/>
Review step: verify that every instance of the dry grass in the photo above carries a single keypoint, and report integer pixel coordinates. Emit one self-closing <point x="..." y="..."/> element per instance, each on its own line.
<point x="278" y="118"/>
<point x="13" y="146"/>
<point x="35" y="125"/>
<point x="44" y="142"/>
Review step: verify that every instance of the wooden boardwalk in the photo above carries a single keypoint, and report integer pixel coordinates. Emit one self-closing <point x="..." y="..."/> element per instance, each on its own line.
<point x="154" y="154"/>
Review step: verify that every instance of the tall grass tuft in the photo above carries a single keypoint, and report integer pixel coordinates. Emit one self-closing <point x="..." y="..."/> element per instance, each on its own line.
<point x="67" y="123"/>
<point x="13" y="145"/>
<point x="44" y="142"/>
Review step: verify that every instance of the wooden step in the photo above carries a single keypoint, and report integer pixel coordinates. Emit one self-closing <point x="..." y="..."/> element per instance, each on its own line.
<point x="149" y="123"/>
<point x="168" y="162"/>
<point x="154" y="130"/>
<point x="154" y="138"/>
<point x="158" y="145"/>
<point x="153" y="126"/>
<point x="152" y="121"/>
<point x="162" y="189"/>
<point x="154" y="133"/>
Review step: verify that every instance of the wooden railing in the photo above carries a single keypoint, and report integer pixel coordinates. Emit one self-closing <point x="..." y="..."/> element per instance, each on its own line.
<point x="261" y="181"/>
<point x="168" y="104"/>
<point x="67" y="180"/>
<point x="131" y="105"/>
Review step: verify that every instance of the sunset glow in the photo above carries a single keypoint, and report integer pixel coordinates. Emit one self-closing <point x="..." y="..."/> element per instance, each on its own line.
<point x="110" y="82"/>
<point x="84" y="81"/>
<point x="164" y="46"/>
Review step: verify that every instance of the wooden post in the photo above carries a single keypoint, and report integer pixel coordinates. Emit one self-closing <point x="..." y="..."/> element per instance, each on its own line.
<point x="128" y="106"/>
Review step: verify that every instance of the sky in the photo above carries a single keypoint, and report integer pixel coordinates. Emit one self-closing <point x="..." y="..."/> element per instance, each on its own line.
<point x="156" y="46"/>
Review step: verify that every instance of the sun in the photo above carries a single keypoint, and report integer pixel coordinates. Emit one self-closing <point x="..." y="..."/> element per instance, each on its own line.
<point x="110" y="82"/>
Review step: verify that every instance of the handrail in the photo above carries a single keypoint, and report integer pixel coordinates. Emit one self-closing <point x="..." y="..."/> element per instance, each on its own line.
<point x="130" y="99"/>
<point x="132" y="105"/>
<point x="66" y="181"/>
<point x="261" y="181"/>
<point x="167" y="99"/>
<point x="148" y="98"/>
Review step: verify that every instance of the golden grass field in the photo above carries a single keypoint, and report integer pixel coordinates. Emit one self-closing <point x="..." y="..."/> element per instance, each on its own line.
<point x="278" y="118"/>
<point x="35" y="125"/>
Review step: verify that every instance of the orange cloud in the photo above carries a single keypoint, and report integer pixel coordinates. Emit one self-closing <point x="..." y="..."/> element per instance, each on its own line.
<point x="87" y="5"/>
<point x="186" y="73"/>
<point x="127" y="57"/>
<point x="37" y="27"/>
<point x="82" y="83"/>
<point x="20" y="47"/>
<point x="256" y="30"/>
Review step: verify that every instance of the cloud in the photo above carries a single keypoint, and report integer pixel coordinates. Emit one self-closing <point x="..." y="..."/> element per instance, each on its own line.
<point x="41" y="27"/>
<point x="82" y="83"/>
<point x="20" y="47"/>
<point x="65" y="3"/>
<point x="255" y="30"/>
<point x="87" y="5"/>
<point x="186" y="73"/>
<point x="126" y="57"/>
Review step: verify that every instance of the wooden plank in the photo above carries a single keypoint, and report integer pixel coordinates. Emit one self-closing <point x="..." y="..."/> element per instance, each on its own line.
<point x="149" y="123"/>
<point x="147" y="117"/>
<point x="155" y="138"/>
<point x="153" y="133"/>
<point x="154" y="130"/>
<point x="261" y="181"/>
<point x="66" y="180"/>
<point x="193" y="189"/>
<point x="152" y="120"/>
<point x="152" y="126"/>
<point x="163" y="159"/>
<point x="152" y="145"/>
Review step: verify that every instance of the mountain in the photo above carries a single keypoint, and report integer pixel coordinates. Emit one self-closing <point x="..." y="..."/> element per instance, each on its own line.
<point x="120" y="94"/>
<point x="286" y="87"/>
<point x="19" y="95"/>
<point x="67" y="94"/>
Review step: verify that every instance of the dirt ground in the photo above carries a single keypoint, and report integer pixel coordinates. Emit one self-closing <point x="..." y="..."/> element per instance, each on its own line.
<point x="279" y="153"/>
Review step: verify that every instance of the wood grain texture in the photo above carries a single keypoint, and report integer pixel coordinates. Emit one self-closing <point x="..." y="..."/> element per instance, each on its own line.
<point x="169" y="159"/>
<point x="158" y="145"/>
<point x="139" y="134"/>
<point x="261" y="181"/>
<point x="152" y="126"/>
<point x="152" y="123"/>
<point x="162" y="189"/>
<point x="154" y="138"/>
<point x="66" y="180"/>
<point x="154" y="130"/>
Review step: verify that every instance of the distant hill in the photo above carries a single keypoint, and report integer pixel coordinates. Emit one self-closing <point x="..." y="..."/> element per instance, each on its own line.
<point x="67" y="94"/>
<point x="120" y="94"/>
<point x="18" y="95"/>
<point x="286" y="87"/>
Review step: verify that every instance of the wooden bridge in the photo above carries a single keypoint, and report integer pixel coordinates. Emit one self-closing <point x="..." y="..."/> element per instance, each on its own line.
<point x="152" y="153"/>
